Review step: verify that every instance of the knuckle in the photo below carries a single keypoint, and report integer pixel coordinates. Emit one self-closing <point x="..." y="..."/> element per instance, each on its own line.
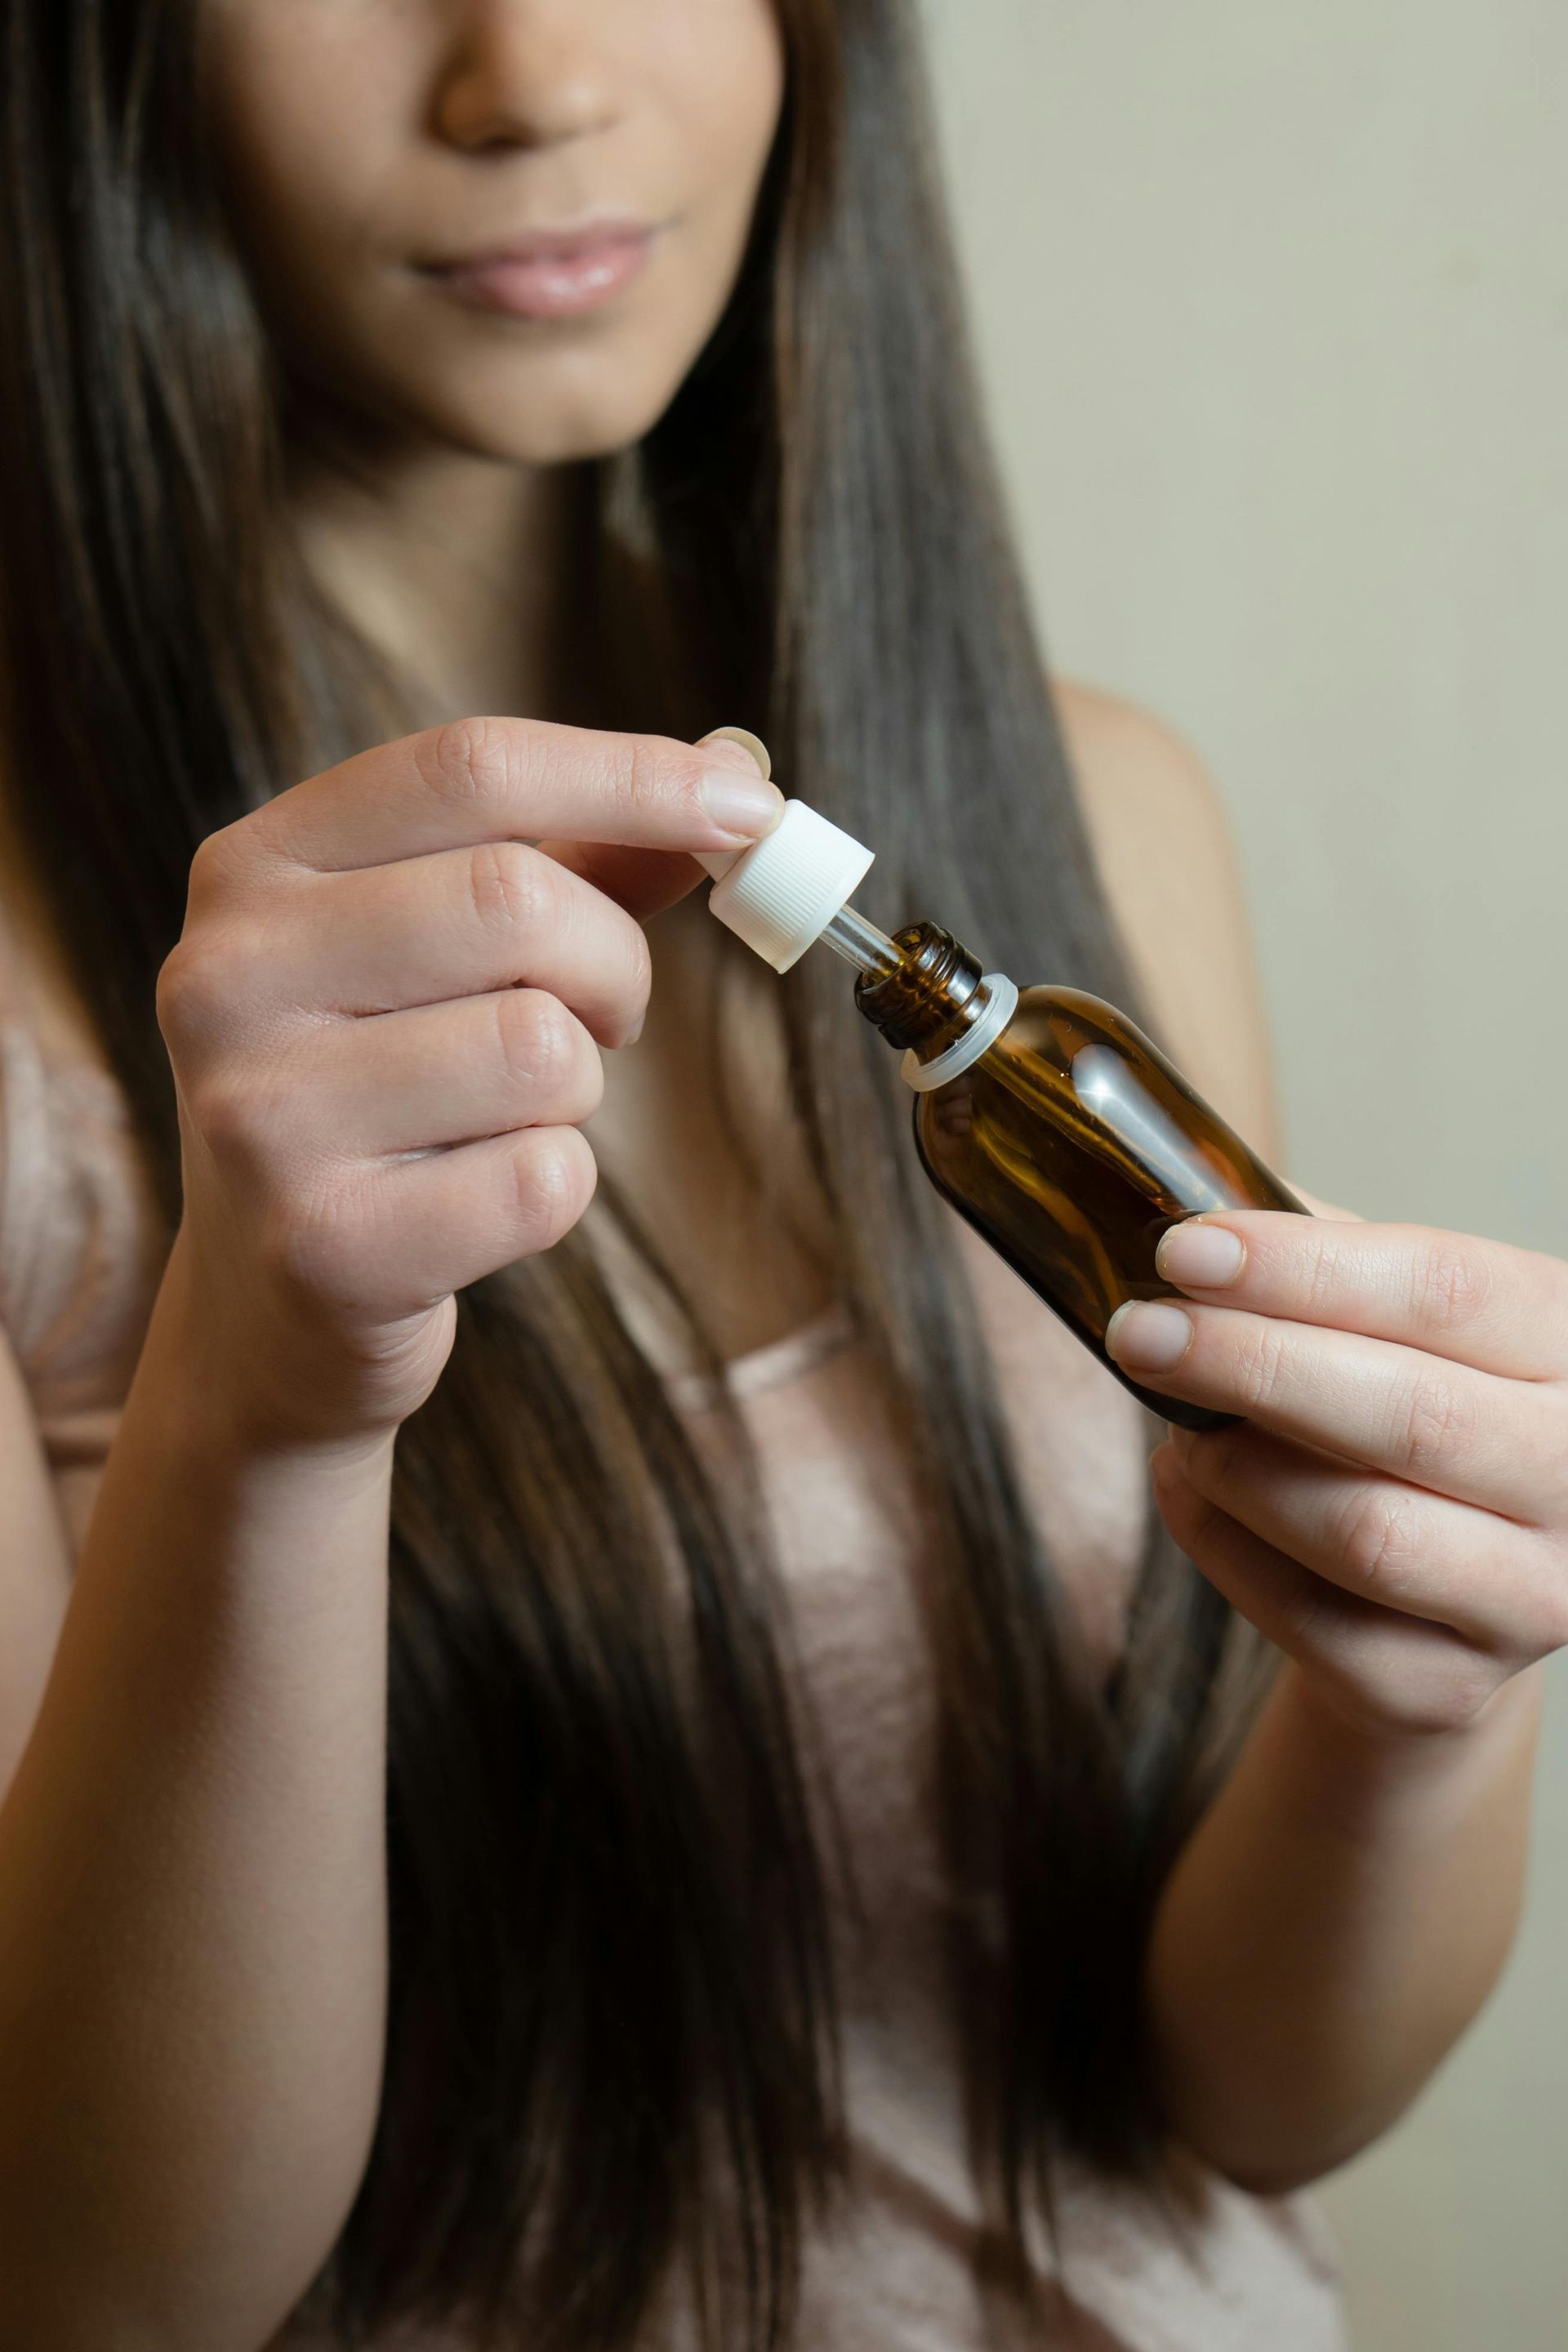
<point x="305" y="1243"/>
<point x="1324" y="1269"/>
<point x="1378" y="1542"/>
<point x="1261" y="1365"/>
<point x="508" y="886"/>
<point x="555" y="1174"/>
<point x="536" y="1035"/>
<point x="647" y="775"/>
<point x="220" y="980"/>
<point x="1453" y="1284"/>
<point x="218" y="858"/>
<point x="324" y="1234"/>
<point x="207" y="876"/>
<point x="640" y="775"/>
<point x="469" y="761"/>
<point x="236" y="1115"/>
<point x="188" y="991"/>
<point x="1433" y="1423"/>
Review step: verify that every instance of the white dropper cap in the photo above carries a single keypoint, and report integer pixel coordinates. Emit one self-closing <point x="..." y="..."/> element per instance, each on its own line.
<point x="781" y="893"/>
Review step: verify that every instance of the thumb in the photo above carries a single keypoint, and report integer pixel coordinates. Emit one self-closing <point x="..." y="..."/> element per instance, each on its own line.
<point x="744" y="740"/>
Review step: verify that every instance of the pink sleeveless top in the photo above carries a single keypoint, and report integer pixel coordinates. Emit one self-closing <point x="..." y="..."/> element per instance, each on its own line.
<point x="899" y="2268"/>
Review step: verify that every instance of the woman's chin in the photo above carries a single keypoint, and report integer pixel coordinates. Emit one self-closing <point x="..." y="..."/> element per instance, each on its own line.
<point x="535" y="423"/>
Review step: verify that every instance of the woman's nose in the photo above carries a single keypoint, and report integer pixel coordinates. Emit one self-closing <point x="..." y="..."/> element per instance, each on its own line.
<point x="525" y="73"/>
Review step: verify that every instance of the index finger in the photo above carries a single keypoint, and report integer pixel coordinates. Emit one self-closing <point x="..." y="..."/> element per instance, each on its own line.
<point x="1473" y="1302"/>
<point x="478" y="780"/>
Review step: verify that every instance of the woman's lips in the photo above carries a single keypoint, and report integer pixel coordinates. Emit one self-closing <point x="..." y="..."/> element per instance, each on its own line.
<point x="555" y="276"/>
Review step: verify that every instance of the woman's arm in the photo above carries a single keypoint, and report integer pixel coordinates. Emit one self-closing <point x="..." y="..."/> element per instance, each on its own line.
<point x="1344" y="1907"/>
<point x="192" y="1914"/>
<point x="1392" y="1512"/>
<point x="1333" y="1926"/>
<point x="384" y="1017"/>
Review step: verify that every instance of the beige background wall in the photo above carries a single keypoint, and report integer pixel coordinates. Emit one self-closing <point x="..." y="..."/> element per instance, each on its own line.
<point x="1272" y="297"/>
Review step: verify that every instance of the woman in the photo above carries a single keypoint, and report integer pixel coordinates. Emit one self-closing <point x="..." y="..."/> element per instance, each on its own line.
<point x="811" y="1862"/>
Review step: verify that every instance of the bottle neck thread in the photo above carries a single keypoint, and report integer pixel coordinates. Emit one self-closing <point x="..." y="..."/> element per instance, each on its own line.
<point x="928" y="996"/>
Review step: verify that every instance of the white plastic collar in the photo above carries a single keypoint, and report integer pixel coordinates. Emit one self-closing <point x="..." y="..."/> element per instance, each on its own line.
<point x="1001" y="1004"/>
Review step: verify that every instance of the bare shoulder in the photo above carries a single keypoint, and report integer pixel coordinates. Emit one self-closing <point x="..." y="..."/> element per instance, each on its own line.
<point x="1167" y="857"/>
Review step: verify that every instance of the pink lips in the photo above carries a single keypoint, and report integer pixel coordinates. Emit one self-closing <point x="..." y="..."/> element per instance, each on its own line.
<point x="553" y="275"/>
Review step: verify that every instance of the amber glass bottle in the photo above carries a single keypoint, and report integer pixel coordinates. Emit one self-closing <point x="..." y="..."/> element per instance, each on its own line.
<point x="1069" y="1142"/>
<point x="1047" y="1119"/>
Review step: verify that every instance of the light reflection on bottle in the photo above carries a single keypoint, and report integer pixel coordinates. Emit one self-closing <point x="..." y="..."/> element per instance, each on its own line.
<point x="1106" y="1085"/>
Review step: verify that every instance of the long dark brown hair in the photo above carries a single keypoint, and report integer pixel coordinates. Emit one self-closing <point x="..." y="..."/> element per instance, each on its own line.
<point x="612" y="2004"/>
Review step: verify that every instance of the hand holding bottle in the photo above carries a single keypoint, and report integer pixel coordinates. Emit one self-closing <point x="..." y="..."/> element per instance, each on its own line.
<point x="386" y="1016"/>
<point x="1393" y="1511"/>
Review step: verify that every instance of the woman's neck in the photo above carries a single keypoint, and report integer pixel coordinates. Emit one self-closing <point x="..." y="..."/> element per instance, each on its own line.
<point x="447" y="563"/>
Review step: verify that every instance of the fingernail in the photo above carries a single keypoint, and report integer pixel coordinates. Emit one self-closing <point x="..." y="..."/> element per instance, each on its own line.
<point x="746" y="742"/>
<point x="1148" y="1336"/>
<point x="745" y="807"/>
<point x="1200" y="1257"/>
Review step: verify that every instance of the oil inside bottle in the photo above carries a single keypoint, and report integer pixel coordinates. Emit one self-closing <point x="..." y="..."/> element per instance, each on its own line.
<point x="1071" y="1144"/>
